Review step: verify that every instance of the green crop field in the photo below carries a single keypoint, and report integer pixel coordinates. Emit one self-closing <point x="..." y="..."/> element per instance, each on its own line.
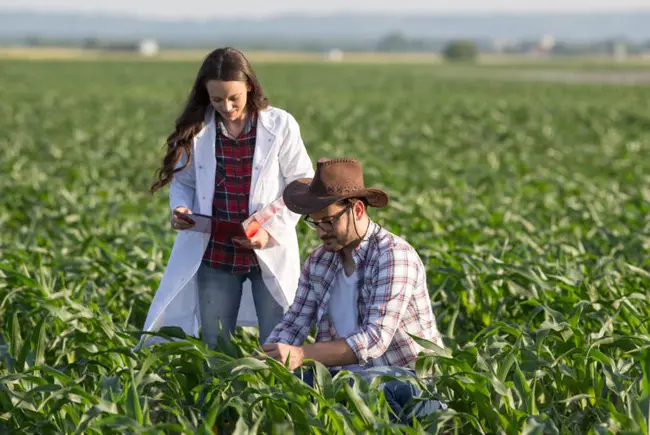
<point x="529" y="203"/>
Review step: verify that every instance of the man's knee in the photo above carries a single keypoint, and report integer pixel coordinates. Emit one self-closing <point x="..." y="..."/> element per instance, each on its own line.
<point x="405" y="400"/>
<point x="403" y="397"/>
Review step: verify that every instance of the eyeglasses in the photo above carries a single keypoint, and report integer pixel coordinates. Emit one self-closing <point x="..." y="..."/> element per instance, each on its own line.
<point x="327" y="223"/>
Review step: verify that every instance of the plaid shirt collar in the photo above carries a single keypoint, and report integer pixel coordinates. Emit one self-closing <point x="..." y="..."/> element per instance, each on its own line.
<point x="335" y="264"/>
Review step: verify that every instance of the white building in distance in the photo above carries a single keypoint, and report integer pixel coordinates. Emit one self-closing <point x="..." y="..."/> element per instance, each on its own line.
<point x="335" y="55"/>
<point x="148" y="48"/>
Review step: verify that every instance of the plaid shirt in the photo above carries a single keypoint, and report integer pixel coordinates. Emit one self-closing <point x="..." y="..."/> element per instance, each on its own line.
<point x="393" y="302"/>
<point x="232" y="189"/>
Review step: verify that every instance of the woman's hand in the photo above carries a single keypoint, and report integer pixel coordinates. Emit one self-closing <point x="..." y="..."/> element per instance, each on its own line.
<point x="258" y="241"/>
<point x="180" y="222"/>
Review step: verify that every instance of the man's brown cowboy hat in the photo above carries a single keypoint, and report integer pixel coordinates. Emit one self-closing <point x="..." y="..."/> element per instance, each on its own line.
<point x="334" y="180"/>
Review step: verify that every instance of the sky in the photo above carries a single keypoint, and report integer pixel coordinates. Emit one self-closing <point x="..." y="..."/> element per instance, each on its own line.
<point x="205" y="9"/>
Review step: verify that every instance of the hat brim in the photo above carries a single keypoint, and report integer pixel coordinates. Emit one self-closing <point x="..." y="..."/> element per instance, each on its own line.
<point x="301" y="200"/>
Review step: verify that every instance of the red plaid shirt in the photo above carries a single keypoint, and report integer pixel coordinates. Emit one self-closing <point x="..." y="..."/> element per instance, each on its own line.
<point x="231" y="192"/>
<point x="393" y="302"/>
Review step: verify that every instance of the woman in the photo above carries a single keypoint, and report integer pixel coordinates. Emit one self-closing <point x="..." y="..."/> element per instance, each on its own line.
<point x="230" y="155"/>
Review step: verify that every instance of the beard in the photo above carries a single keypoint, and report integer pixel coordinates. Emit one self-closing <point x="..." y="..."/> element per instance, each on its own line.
<point x="334" y="242"/>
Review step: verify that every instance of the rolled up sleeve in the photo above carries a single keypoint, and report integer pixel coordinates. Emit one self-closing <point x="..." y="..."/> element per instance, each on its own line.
<point x="299" y="319"/>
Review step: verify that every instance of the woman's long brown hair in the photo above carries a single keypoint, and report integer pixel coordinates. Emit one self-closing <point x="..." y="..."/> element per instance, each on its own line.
<point x="227" y="64"/>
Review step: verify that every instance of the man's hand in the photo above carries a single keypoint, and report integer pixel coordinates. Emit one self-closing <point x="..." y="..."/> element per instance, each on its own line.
<point x="280" y="352"/>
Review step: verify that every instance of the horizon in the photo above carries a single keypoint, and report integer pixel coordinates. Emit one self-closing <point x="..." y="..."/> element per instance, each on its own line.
<point x="354" y="30"/>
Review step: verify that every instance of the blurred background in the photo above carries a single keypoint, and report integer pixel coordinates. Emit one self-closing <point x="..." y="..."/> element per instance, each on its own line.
<point x="422" y="30"/>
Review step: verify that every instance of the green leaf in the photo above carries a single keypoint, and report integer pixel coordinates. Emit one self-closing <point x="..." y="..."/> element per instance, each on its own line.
<point x="504" y="367"/>
<point x="16" y="338"/>
<point x="39" y="339"/>
<point x="323" y="381"/>
<point x="358" y="405"/>
<point x="433" y="348"/>
<point x="133" y="408"/>
<point x="538" y="426"/>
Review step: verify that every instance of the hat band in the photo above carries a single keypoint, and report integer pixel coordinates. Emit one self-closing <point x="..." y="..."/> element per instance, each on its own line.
<point x="343" y="190"/>
<point x="320" y="189"/>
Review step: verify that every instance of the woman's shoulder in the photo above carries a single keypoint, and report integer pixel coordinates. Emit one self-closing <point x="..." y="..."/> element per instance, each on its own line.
<point x="278" y="117"/>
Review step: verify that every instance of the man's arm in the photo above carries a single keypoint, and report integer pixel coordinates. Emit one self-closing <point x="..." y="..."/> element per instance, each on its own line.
<point x="298" y="320"/>
<point x="330" y="353"/>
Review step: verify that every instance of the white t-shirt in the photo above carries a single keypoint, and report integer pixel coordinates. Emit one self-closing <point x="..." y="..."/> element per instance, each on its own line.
<point x="343" y="307"/>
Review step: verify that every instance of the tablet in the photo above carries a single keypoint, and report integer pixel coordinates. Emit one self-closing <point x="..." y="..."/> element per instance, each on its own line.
<point x="206" y="224"/>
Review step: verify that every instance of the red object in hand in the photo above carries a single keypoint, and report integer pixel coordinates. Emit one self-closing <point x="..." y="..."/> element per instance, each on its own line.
<point x="252" y="229"/>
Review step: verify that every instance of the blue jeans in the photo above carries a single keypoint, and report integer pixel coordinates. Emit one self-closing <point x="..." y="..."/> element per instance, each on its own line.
<point x="220" y="294"/>
<point x="399" y="394"/>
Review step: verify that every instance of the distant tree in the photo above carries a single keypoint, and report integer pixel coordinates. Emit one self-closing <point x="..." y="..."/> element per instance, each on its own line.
<point x="91" y="43"/>
<point x="460" y="51"/>
<point x="562" y="49"/>
<point x="34" y="41"/>
<point x="394" y="42"/>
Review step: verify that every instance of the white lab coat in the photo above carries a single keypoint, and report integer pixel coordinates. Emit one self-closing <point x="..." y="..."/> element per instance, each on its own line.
<point x="280" y="157"/>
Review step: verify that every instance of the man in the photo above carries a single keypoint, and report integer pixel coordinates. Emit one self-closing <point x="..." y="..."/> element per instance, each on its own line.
<point x="364" y="288"/>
